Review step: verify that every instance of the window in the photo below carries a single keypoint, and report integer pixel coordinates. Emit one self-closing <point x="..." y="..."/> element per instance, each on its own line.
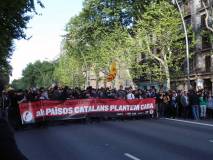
<point x="203" y="23"/>
<point x="206" y="42"/>
<point x="188" y="21"/>
<point x="208" y="63"/>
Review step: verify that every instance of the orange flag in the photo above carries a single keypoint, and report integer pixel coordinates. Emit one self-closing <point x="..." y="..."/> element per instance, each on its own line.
<point x="112" y="73"/>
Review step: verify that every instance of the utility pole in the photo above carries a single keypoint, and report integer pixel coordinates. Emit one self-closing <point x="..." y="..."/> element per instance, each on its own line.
<point x="187" y="43"/>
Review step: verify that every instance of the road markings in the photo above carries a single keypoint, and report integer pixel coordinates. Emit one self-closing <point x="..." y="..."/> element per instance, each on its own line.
<point x="131" y="156"/>
<point x="211" y="140"/>
<point x="178" y="120"/>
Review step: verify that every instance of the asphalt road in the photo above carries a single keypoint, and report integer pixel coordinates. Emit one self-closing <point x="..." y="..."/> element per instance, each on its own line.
<point x="119" y="140"/>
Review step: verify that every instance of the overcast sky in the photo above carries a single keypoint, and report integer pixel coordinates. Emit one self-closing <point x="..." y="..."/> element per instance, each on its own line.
<point x="46" y="31"/>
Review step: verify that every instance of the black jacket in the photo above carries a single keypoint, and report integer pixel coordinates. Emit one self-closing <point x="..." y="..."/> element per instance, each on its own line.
<point x="8" y="147"/>
<point x="193" y="99"/>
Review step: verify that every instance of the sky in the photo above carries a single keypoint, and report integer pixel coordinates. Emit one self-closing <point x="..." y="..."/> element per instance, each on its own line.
<point x="46" y="31"/>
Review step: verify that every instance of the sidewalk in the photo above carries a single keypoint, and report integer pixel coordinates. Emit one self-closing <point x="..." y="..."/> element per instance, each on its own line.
<point x="208" y="122"/>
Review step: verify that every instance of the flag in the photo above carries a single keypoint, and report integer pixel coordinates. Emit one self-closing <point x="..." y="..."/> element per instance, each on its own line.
<point x="112" y="73"/>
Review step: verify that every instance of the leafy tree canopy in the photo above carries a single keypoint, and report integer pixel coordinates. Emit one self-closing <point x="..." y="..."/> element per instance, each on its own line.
<point x="38" y="74"/>
<point x="14" y="16"/>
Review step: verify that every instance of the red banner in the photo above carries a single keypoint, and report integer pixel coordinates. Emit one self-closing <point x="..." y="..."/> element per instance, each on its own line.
<point x="42" y="110"/>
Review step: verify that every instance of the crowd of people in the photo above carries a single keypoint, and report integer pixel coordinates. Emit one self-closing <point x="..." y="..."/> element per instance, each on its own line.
<point x="190" y="105"/>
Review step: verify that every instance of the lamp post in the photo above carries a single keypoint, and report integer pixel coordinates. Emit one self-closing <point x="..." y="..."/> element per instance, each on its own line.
<point x="187" y="43"/>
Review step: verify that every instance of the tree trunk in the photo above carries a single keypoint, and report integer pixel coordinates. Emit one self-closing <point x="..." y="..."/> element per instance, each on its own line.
<point x="168" y="87"/>
<point x="97" y="80"/>
<point x="105" y="81"/>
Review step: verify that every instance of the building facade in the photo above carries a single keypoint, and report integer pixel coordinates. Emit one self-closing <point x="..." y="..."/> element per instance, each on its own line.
<point x="201" y="61"/>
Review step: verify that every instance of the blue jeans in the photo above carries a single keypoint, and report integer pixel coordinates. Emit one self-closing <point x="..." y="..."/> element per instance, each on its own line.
<point x="195" y="111"/>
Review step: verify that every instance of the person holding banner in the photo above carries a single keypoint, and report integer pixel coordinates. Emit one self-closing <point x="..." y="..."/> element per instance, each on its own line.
<point x="130" y="95"/>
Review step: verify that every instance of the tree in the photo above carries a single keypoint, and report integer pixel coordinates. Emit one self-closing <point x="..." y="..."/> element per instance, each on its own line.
<point x="106" y="31"/>
<point x="38" y="74"/>
<point x="69" y="71"/>
<point x="208" y="5"/>
<point x="159" y="40"/>
<point x="96" y="49"/>
<point x="110" y="13"/>
<point x="18" y="84"/>
<point x="209" y="14"/>
<point x="14" y="16"/>
<point x="97" y="35"/>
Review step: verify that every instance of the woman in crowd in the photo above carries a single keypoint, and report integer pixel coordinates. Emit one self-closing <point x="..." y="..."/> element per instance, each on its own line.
<point x="203" y="105"/>
<point x="194" y="103"/>
<point x="173" y="104"/>
<point x="210" y="106"/>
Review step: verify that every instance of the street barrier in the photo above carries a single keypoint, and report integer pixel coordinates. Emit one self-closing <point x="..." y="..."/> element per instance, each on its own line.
<point x="44" y="110"/>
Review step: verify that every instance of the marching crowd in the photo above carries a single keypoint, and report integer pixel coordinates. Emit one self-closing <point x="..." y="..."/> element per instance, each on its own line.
<point x="181" y="104"/>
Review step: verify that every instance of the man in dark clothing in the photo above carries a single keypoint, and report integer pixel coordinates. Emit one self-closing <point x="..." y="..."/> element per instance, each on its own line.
<point x="64" y="94"/>
<point x="184" y="99"/>
<point x="179" y="105"/>
<point x="194" y="103"/>
<point x="56" y="93"/>
<point x="4" y="104"/>
<point x="8" y="147"/>
<point x="13" y="110"/>
<point x="159" y="102"/>
<point x="121" y="93"/>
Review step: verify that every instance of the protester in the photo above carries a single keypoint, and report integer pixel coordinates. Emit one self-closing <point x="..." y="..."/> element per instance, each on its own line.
<point x="194" y="102"/>
<point x="173" y="105"/>
<point x="130" y="95"/>
<point x="44" y="94"/>
<point x="121" y="93"/>
<point x="8" y="147"/>
<point x="210" y="106"/>
<point x="169" y="104"/>
<point x="159" y="101"/>
<point x="4" y="104"/>
<point x="179" y="105"/>
<point x="184" y="100"/>
<point x="166" y="101"/>
<point x="203" y="104"/>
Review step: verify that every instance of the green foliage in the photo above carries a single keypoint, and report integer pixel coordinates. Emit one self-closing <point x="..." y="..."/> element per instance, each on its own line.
<point x="106" y="31"/>
<point x="69" y="71"/>
<point x="38" y="74"/>
<point x="100" y="33"/>
<point x="159" y="40"/>
<point x="14" y="16"/>
<point x="121" y="30"/>
<point x="18" y="84"/>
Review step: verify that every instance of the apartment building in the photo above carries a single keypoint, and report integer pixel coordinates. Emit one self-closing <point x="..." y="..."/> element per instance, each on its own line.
<point x="201" y="61"/>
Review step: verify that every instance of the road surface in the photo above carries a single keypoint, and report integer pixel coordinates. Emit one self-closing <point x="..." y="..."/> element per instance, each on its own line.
<point x="161" y="139"/>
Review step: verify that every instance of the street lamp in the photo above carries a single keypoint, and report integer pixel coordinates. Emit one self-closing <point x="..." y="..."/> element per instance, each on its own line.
<point x="187" y="42"/>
